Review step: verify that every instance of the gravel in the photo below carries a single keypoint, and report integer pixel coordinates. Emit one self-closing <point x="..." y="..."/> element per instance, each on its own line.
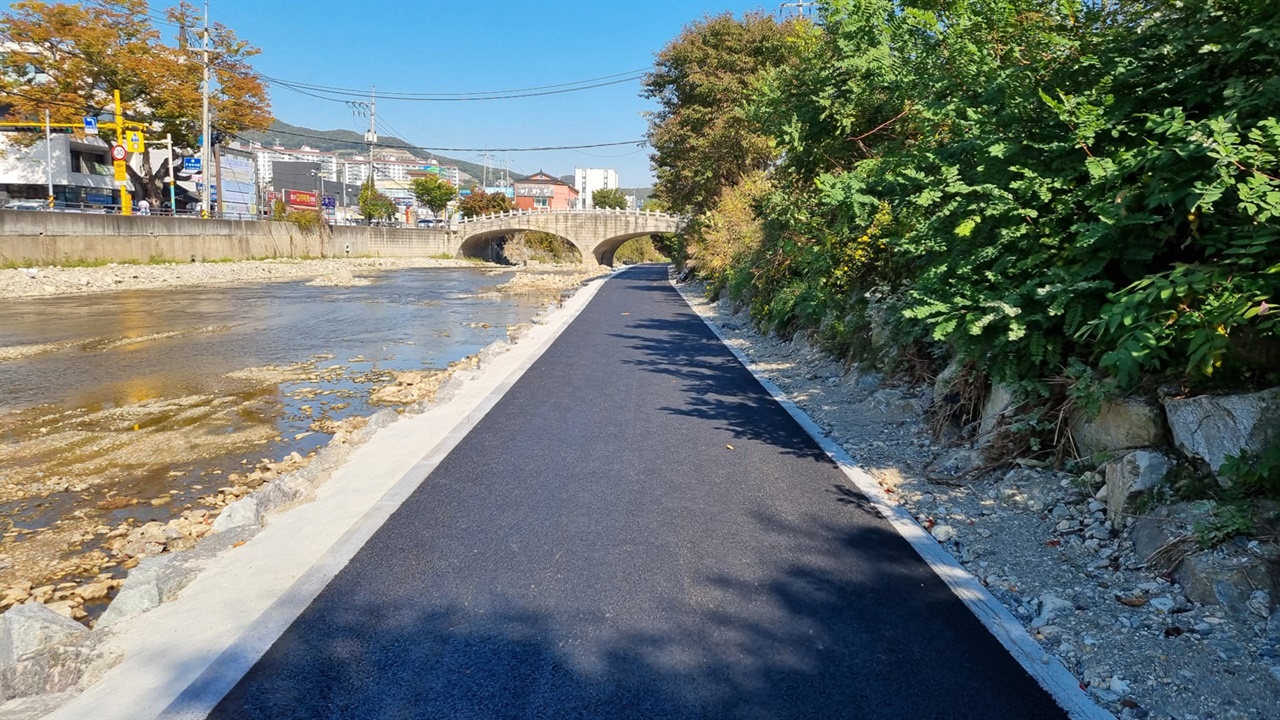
<point x="1041" y="544"/>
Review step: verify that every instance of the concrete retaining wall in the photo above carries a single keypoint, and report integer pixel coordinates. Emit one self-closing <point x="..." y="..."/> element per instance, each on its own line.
<point x="41" y="238"/>
<point x="356" y="240"/>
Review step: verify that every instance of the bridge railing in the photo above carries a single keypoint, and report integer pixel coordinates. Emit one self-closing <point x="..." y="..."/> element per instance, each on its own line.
<point x="578" y="211"/>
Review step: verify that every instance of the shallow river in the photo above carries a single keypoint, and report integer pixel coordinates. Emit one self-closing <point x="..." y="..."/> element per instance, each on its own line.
<point x="161" y="393"/>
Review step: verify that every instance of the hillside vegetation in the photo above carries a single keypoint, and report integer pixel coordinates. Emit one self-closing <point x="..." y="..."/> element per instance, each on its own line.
<point x="1070" y="199"/>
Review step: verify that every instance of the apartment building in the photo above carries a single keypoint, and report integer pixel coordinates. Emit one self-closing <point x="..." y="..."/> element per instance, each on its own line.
<point x="588" y="180"/>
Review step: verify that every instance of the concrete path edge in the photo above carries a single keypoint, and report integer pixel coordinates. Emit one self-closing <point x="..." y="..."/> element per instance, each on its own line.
<point x="1046" y="669"/>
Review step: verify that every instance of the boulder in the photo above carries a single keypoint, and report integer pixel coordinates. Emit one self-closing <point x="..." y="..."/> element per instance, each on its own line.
<point x="289" y="490"/>
<point x="1120" y="425"/>
<point x="1214" y="427"/>
<point x="998" y="406"/>
<point x="956" y="462"/>
<point x="1130" y="476"/>
<point x="76" y="662"/>
<point x="25" y="628"/>
<point x="153" y="581"/>
<point x="1231" y="579"/>
<point x="238" y="514"/>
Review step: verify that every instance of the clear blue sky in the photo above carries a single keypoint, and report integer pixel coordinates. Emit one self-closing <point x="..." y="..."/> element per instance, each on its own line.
<point x="430" y="46"/>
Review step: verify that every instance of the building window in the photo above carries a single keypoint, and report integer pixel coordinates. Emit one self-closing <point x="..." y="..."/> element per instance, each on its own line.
<point x="541" y="202"/>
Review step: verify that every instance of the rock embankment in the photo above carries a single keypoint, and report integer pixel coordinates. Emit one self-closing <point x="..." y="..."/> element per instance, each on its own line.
<point x="44" y="281"/>
<point x="1152" y="626"/>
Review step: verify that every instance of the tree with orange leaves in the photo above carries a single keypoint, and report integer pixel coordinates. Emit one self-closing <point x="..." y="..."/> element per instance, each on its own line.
<point x="68" y="58"/>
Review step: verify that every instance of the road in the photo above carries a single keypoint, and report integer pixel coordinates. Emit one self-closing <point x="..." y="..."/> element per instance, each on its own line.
<point x="637" y="530"/>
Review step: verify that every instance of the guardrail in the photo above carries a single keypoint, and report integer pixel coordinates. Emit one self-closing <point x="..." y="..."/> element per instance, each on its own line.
<point x="582" y="211"/>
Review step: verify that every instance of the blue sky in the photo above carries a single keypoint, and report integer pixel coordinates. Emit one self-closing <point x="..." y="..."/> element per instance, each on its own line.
<point x="465" y="46"/>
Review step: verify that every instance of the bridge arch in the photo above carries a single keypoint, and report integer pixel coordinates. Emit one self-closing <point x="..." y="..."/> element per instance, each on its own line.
<point x="596" y="233"/>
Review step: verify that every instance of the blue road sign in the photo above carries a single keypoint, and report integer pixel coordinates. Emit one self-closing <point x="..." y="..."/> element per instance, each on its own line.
<point x="329" y="201"/>
<point x="90" y="125"/>
<point x="191" y="164"/>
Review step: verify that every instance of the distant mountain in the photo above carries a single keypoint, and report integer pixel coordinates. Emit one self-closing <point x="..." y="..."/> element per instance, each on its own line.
<point x="293" y="136"/>
<point x="641" y="194"/>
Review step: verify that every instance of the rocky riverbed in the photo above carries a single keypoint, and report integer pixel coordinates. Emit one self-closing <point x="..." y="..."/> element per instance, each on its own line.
<point x="45" y="281"/>
<point x="1042" y="543"/>
<point x="87" y="491"/>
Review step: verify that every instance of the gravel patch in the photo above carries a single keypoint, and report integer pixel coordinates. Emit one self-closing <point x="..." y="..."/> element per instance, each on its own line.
<point x="1040" y="542"/>
<point x="44" y="281"/>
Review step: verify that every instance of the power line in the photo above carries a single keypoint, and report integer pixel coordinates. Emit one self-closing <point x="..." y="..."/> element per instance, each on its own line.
<point x="615" y="78"/>
<point x="340" y="94"/>
<point x="309" y="136"/>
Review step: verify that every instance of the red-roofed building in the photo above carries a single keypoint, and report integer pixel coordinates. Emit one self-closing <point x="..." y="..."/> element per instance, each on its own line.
<point x="540" y="191"/>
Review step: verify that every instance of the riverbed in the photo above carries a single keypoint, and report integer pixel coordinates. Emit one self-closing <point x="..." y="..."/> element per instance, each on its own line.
<point x="125" y="407"/>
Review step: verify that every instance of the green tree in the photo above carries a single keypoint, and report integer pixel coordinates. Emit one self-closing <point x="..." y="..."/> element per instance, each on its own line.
<point x="609" y="198"/>
<point x="374" y="205"/>
<point x="433" y="192"/>
<point x="480" y="203"/>
<point x="703" y="81"/>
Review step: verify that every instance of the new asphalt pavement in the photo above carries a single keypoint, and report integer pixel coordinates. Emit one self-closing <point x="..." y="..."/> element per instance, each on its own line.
<point x="636" y="530"/>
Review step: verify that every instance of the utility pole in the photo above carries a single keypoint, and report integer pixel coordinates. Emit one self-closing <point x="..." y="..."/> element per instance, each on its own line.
<point x="48" y="155"/>
<point x="173" y="201"/>
<point x="206" y="135"/>
<point x="371" y="137"/>
<point x="126" y="202"/>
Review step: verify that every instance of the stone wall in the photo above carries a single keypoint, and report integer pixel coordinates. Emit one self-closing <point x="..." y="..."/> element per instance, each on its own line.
<point x="41" y="238"/>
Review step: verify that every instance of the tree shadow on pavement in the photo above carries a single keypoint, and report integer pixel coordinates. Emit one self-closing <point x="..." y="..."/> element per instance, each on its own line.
<point x="858" y="629"/>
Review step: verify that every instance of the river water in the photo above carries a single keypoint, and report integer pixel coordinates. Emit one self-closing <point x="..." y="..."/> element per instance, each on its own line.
<point x="159" y="394"/>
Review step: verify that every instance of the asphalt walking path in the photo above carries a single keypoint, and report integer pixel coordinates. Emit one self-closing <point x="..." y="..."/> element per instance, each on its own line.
<point x="637" y="530"/>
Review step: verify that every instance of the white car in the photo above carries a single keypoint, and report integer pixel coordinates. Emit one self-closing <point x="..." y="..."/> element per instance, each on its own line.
<point x="24" y="205"/>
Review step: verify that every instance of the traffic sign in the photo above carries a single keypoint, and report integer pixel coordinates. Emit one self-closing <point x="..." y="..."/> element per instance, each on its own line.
<point x="191" y="164"/>
<point x="117" y="152"/>
<point x="329" y="201"/>
<point x="133" y="141"/>
<point x="90" y="125"/>
<point x="122" y="175"/>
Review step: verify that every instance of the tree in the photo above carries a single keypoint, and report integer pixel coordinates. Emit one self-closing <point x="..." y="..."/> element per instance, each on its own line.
<point x="702" y="138"/>
<point x="480" y="203"/>
<point x="606" y="198"/>
<point x="69" y="58"/>
<point x="433" y="192"/>
<point x="373" y="204"/>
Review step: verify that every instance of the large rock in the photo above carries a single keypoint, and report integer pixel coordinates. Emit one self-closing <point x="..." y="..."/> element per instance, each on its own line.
<point x="25" y="628"/>
<point x="995" y="412"/>
<point x="76" y="662"/>
<point x="1229" y="578"/>
<point x="1214" y="427"/>
<point x="240" y="513"/>
<point x="153" y="581"/>
<point x="1120" y="425"/>
<point x="1129" y="477"/>
<point x="292" y="489"/>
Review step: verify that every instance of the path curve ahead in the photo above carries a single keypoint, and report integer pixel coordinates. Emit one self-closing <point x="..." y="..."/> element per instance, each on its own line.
<point x="595" y="549"/>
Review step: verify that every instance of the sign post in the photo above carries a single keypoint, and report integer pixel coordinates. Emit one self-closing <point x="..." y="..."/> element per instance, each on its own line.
<point x="126" y="202"/>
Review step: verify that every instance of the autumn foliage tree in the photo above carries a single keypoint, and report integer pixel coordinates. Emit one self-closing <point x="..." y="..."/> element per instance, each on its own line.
<point x="432" y="192"/>
<point x="480" y="203"/>
<point x="68" y="58"/>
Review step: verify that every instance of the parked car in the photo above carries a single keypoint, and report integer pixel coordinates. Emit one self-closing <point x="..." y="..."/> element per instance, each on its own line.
<point x="24" y="205"/>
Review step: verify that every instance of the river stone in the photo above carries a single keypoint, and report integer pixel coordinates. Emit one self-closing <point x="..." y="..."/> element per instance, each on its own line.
<point x="1120" y="425"/>
<point x="1213" y="427"/>
<point x="27" y="627"/>
<point x="1129" y="477"/>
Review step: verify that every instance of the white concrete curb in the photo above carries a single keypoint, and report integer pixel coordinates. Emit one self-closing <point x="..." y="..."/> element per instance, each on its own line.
<point x="182" y="657"/>
<point x="1047" y="670"/>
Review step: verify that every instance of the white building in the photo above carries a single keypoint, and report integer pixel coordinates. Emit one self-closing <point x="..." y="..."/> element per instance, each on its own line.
<point x="264" y="156"/>
<point x="80" y="172"/>
<point x="588" y="180"/>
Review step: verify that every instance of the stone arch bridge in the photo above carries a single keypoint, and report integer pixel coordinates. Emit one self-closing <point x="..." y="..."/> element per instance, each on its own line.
<point x="596" y="233"/>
